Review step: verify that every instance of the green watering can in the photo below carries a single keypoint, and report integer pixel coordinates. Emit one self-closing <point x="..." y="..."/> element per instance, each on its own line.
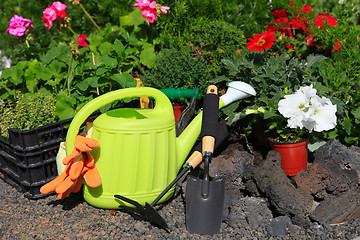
<point x="139" y="153"/>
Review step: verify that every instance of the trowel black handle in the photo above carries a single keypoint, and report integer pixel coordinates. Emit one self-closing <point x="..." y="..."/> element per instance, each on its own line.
<point x="210" y="119"/>
<point x="221" y="134"/>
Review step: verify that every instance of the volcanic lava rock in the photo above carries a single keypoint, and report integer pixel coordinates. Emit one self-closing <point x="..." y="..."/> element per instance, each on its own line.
<point x="333" y="181"/>
<point x="326" y="191"/>
<point x="271" y="181"/>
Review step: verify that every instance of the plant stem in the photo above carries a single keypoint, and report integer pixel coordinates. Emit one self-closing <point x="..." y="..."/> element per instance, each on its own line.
<point x="93" y="58"/>
<point x="52" y="38"/>
<point x="68" y="73"/>
<point x="151" y="33"/>
<point x="71" y="30"/>
<point x="87" y="14"/>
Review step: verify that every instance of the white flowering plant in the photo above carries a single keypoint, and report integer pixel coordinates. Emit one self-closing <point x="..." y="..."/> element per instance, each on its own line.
<point x="298" y="115"/>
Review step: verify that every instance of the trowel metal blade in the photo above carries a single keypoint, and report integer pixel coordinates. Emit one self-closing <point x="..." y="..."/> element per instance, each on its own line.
<point x="204" y="215"/>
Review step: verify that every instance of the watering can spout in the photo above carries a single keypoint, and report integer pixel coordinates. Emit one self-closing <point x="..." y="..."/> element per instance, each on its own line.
<point x="236" y="90"/>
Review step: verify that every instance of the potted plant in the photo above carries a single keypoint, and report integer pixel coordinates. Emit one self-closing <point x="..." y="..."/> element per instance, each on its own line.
<point x="273" y="79"/>
<point x="289" y="125"/>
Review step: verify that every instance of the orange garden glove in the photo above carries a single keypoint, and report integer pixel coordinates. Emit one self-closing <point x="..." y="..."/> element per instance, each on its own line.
<point x="79" y="164"/>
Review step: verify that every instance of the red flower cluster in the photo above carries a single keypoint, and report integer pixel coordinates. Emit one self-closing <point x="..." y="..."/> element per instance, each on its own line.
<point x="296" y="21"/>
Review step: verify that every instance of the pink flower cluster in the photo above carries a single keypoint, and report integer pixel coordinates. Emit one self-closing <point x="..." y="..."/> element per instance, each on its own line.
<point x="150" y="9"/>
<point x="53" y="12"/>
<point x="18" y="26"/>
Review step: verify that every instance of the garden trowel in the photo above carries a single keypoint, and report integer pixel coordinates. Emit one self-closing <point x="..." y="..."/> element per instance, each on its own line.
<point x="205" y="197"/>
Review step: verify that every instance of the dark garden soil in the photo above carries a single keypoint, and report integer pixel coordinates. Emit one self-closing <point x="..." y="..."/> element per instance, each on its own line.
<point x="253" y="209"/>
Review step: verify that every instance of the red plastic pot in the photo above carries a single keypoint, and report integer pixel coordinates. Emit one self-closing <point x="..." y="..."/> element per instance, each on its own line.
<point x="178" y="110"/>
<point x="294" y="156"/>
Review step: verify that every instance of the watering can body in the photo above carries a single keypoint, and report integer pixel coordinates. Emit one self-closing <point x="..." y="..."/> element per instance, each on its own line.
<point x="138" y="154"/>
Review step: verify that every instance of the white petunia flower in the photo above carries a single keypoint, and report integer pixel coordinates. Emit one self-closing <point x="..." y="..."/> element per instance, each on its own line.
<point x="305" y="109"/>
<point x="324" y="114"/>
<point x="309" y="91"/>
<point x="295" y="106"/>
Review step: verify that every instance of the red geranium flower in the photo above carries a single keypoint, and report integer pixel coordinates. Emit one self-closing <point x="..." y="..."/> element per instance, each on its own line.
<point x="289" y="46"/>
<point x="262" y="41"/>
<point x="337" y="45"/>
<point x="279" y="13"/>
<point x="306" y="9"/>
<point x="321" y="18"/>
<point x="280" y="25"/>
<point x="81" y="40"/>
<point x="299" y="23"/>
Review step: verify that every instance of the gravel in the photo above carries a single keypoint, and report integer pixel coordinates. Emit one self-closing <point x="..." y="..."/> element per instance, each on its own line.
<point x="245" y="217"/>
<point x="72" y="218"/>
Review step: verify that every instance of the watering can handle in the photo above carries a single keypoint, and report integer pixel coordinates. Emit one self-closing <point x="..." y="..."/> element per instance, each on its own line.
<point x="163" y="106"/>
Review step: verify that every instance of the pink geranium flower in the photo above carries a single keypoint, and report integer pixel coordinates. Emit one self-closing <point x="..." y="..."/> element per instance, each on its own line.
<point x="81" y="40"/>
<point x="52" y="12"/>
<point x="164" y="9"/>
<point x="50" y="15"/>
<point x="18" y="26"/>
<point x="142" y="4"/>
<point x="150" y="12"/>
<point x="60" y="7"/>
<point x="150" y="9"/>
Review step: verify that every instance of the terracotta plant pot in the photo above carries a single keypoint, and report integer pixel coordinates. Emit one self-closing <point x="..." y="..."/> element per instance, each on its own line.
<point x="294" y="156"/>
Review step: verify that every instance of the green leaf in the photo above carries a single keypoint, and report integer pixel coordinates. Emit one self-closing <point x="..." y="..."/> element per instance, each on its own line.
<point x="41" y="71"/>
<point x="132" y="19"/>
<point x="30" y="80"/>
<point x="125" y="80"/>
<point x="109" y="61"/>
<point x="53" y="53"/>
<point x="120" y="79"/>
<point x="269" y="114"/>
<point x="231" y="66"/>
<point x="65" y="106"/>
<point x="15" y="73"/>
<point x="219" y="79"/>
<point x="98" y="82"/>
<point x="321" y="88"/>
<point x="356" y="113"/>
<point x="147" y="55"/>
<point x="105" y="108"/>
<point x="105" y="48"/>
<point x="314" y="60"/>
<point x="130" y="80"/>
<point x="351" y="140"/>
<point x="101" y="71"/>
<point x="84" y="85"/>
<point x="347" y="125"/>
<point x="119" y="47"/>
